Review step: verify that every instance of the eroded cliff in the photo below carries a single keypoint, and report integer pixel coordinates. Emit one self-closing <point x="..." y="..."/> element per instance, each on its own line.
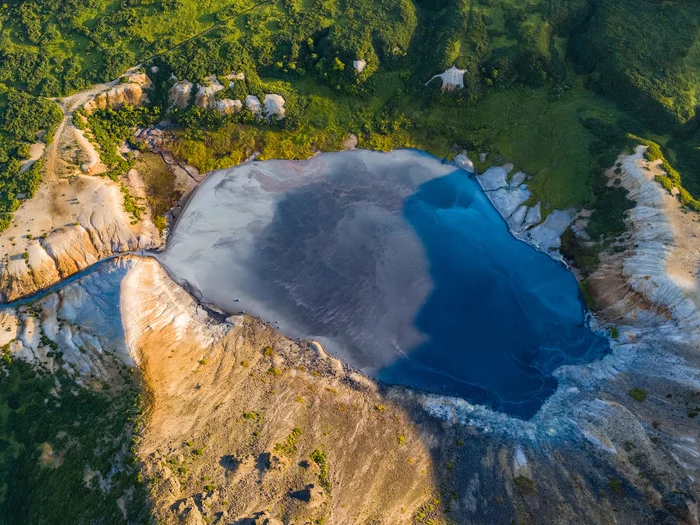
<point x="244" y="423"/>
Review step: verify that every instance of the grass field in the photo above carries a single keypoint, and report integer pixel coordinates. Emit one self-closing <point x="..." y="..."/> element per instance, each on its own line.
<point x="539" y="131"/>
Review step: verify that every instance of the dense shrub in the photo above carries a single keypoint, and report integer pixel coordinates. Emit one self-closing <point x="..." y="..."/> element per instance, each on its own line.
<point x="54" y="430"/>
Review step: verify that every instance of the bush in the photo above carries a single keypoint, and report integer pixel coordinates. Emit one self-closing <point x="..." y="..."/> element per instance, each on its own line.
<point x="524" y="485"/>
<point x="289" y="447"/>
<point x="318" y="456"/>
<point x="584" y="258"/>
<point x="615" y="484"/>
<point x="638" y="394"/>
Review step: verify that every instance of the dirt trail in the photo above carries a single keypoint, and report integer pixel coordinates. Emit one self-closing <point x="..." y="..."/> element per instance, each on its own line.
<point x="73" y="220"/>
<point x="68" y="106"/>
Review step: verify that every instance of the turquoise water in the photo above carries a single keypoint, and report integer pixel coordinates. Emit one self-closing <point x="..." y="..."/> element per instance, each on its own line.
<point x="502" y="316"/>
<point x="397" y="263"/>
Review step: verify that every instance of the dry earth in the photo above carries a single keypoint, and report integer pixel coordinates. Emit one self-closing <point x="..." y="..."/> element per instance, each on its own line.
<point x="73" y="220"/>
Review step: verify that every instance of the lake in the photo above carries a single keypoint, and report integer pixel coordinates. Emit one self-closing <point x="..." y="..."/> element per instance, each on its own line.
<point x="397" y="263"/>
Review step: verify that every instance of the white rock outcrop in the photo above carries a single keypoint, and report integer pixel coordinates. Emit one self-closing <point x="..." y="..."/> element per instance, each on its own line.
<point x="464" y="162"/>
<point x="452" y="79"/>
<point x="228" y="106"/>
<point x="253" y="104"/>
<point x="130" y="93"/>
<point x="359" y="65"/>
<point x="274" y="106"/>
<point x="179" y="94"/>
<point x="235" y="76"/>
<point x="206" y="93"/>
<point x="547" y="235"/>
<point x="509" y="196"/>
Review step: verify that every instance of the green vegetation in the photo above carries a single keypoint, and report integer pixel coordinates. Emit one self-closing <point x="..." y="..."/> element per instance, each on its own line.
<point x="161" y="194"/>
<point x="429" y="512"/>
<point x="110" y="129"/>
<point x="672" y="179"/>
<point x="644" y="55"/>
<point x="252" y="416"/>
<point x="615" y="485"/>
<point x="131" y="206"/>
<point x="289" y="446"/>
<point x="318" y="456"/>
<point x="524" y="485"/>
<point x="638" y="394"/>
<point x="22" y="118"/>
<point x="58" y="442"/>
<point x="555" y="86"/>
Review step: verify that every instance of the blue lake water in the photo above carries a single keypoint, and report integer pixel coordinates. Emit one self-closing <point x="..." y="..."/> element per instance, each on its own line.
<point x="502" y="316"/>
<point x="397" y="263"/>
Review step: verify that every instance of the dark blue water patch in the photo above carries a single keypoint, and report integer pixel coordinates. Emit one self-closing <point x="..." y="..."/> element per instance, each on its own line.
<point x="502" y="316"/>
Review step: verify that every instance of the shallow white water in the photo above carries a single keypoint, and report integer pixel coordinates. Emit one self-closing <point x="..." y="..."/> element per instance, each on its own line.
<point x="369" y="275"/>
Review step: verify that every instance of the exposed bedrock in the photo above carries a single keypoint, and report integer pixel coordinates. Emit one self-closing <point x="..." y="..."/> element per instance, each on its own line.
<point x="509" y="194"/>
<point x="238" y="412"/>
<point x="634" y="286"/>
<point x="66" y="227"/>
<point x="132" y="92"/>
<point x="234" y="390"/>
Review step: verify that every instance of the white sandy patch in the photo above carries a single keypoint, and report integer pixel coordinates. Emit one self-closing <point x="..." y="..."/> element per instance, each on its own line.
<point x="452" y="79"/>
<point x="93" y="164"/>
<point x="36" y="150"/>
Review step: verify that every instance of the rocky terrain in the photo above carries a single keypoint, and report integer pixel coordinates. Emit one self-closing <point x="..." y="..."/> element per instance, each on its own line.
<point x="76" y="219"/>
<point x="656" y="275"/>
<point x="73" y="221"/>
<point x="70" y="224"/>
<point x="131" y="91"/>
<point x="246" y="426"/>
<point x="208" y="95"/>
